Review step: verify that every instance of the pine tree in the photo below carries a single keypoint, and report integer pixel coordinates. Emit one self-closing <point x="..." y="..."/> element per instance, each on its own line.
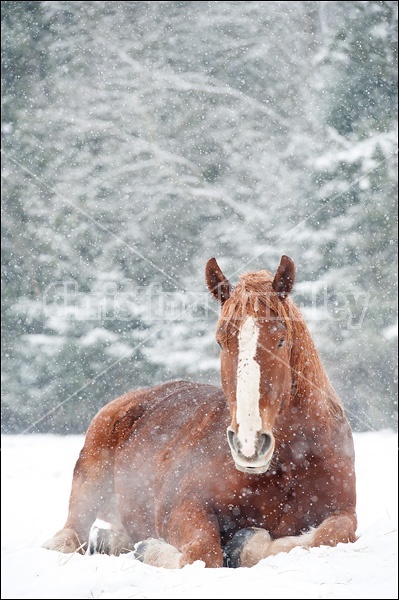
<point x="355" y="216"/>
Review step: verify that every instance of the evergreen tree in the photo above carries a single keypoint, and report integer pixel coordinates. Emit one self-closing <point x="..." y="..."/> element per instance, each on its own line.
<point x="356" y="211"/>
<point x="142" y="138"/>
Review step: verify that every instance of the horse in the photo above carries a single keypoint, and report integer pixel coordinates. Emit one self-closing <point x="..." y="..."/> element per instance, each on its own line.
<point x="158" y="476"/>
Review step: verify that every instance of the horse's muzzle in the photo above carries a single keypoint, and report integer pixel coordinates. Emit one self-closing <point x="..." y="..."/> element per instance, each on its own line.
<point x="260" y="461"/>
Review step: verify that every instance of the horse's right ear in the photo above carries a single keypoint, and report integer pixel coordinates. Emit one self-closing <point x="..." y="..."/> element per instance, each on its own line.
<point x="218" y="285"/>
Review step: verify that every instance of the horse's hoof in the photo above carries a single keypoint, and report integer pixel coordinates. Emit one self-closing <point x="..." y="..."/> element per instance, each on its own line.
<point x="234" y="548"/>
<point x="157" y="553"/>
<point x="105" y="538"/>
<point x="139" y="550"/>
<point x="65" y="541"/>
<point x="100" y="538"/>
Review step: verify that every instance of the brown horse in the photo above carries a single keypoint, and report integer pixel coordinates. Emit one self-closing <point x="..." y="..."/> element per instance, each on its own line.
<point x="157" y="475"/>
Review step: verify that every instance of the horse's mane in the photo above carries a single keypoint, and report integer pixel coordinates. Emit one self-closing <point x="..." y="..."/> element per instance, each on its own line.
<point x="254" y="296"/>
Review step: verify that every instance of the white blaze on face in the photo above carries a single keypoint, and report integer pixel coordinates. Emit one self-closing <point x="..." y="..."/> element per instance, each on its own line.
<point x="248" y="387"/>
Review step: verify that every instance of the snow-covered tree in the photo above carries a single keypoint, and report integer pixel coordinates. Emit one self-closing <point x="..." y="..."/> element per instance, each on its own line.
<point x="142" y="138"/>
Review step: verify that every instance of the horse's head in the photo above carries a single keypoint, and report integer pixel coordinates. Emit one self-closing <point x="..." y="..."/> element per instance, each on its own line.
<point x="254" y="335"/>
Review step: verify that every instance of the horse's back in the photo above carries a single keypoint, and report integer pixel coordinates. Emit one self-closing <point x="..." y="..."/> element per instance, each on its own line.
<point x="172" y="403"/>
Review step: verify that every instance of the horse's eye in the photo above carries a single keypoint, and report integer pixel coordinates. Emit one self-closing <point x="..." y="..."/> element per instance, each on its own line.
<point x="220" y="345"/>
<point x="280" y="344"/>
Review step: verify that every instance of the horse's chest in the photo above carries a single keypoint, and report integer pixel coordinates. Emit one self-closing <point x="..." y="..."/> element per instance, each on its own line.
<point x="257" y="503"/>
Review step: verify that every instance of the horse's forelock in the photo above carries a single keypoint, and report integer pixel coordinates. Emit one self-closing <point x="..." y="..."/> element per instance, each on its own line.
<point x="254" y="297"/>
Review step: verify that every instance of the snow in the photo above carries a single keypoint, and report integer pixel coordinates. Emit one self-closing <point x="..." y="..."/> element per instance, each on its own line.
<point x="36" y="478"/>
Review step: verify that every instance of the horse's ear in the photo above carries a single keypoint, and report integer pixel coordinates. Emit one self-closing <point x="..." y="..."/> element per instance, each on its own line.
<point x="218" y="285"/>
<point x="284" y="279"/>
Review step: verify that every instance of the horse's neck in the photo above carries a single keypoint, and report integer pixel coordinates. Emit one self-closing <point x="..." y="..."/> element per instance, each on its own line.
<point x="310" y="383"/>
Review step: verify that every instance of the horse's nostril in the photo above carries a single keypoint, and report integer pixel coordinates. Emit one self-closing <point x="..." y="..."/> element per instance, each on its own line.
<point x="266" y="439"/>
<point x="230" y="437"/>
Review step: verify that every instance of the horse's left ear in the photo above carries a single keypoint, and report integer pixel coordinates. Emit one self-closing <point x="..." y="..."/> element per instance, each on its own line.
<point x="284" y="279"/>
<point x="217" y="283"/>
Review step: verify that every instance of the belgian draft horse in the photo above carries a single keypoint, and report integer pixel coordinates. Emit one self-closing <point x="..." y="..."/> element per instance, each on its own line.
<point x="157" y="475"/>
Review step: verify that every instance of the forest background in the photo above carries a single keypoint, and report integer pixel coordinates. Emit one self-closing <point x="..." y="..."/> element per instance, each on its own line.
<point x="141" y="138"/>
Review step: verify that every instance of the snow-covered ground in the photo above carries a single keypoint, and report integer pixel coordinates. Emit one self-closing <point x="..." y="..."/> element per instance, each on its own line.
<point x="36" y="478"/>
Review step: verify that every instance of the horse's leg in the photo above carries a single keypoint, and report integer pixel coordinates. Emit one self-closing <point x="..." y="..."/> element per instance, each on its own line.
<point x="93" y="493"/>
<point x="255" y="544"/>
<point x="194" y="535"/>
<point x="92" y="488"/>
